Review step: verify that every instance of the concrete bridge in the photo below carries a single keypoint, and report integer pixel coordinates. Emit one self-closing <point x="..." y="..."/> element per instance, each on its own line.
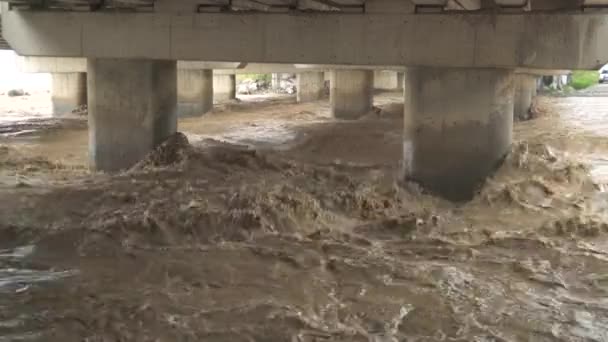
<point x="462" y="59"/>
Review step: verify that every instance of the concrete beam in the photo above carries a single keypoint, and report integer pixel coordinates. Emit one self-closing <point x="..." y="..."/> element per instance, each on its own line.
<point x="328" y="67"/>
<point x="388" y="80"/>
<point x="543" y="41"/>
<point x="31" y="64"/>
<point x="541" y="72"/>
<point x="51" y="64"/>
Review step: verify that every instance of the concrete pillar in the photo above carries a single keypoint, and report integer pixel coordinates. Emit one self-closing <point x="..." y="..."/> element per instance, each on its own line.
<point x="69" y="92"/>
<point x="275" y="81"/>
<point x="525" y="90"/>
<point x="310" y="86"/>
<point x="388" y="80"/>
<point x="194" y="92"/>
<point x="351" y="93"/>
<point x="132" y="109"/>
<point x="224" y="87"/>
<point x="457" y="127"/>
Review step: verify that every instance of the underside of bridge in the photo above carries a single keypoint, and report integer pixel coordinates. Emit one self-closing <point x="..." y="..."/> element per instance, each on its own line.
<point x="277" y="6"/>
<point x="460" y="58"/>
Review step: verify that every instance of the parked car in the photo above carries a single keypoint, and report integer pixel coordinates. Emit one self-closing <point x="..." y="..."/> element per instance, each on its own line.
<point x="604" y="76"/>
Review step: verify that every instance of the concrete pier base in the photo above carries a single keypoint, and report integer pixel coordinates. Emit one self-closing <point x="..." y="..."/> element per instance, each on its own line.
<point x="310" y="86"/>
<point x="132" y="109"/>
<point x="388" y="80"/>
<point x="525" y="91"/>
<point x="351" y="93"/>
<point x="458" y="127"/>
<point x="69" y="92"/>
<point x="194" y="92"/>
<point x="224" y="87"/>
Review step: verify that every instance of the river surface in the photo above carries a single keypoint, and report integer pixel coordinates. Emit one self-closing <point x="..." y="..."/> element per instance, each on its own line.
<point x="270" y="221"/>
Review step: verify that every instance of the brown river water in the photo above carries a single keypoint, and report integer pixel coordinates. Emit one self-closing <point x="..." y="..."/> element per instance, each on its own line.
<point x="269" y="221"/>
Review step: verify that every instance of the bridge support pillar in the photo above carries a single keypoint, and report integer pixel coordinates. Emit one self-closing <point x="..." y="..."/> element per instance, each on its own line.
<point x="388" y="80"/>
<point x="351" y="93"/>
<point x="132" y="109"/>
<point x="69" y="91"/>
<point x="311" y="86"/>
<point x="457" y="127"/>
<point x="224" y="87"/>
<point x="194" y="92"/>
<point x="525" y="91"/>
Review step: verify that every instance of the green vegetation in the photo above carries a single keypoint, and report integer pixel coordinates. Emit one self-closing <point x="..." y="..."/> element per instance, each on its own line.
<point x="582" y="79"/>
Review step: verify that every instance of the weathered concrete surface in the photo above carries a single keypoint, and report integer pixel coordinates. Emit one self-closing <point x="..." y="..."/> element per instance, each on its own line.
<point x="525" y="90"/>
<point x="51" y="64"/>
<point x="539" y="40"/>
<point x="388" y="80"/>
<point x="351" y="93"/>
<point x="69" y="92"/>
<point x="3" y="43"/>
<point x="132" y="109"/>
<point x="194" y="92"/>
<point x="458" y="127"/>
<point x="224" y="87"/>
<point x="310" y="86"/>
<point x="33" y="64"/>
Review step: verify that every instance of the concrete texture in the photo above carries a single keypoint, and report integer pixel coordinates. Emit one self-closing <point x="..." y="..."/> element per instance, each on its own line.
<point x="3" y="43"/>
<point x="532" y="40"/>
<point x="194" y="92"/>
<point x="525" y="91"/>
<point x="275" y="82"/>
<point x="69" y="92"/>
<point x="310" y="86"/>
<point x="388" y="80"/>
<point x="132" y="109"/>
<point x="351" y="93"/>
<point x="224" y="87"/>
<point x="51" y="64"/>
<point x="458" y="127"/>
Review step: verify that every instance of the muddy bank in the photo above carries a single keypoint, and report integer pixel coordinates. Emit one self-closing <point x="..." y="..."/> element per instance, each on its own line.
<point x="220" y="240"/>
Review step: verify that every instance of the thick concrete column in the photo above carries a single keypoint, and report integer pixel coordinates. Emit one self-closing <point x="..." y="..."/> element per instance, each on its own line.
<point x="388" y="80"/>
<point x="525" y="90"/>
<point x="194" y="92"/>
<point x="224" y="87"/>
<point x="351" y="93"/>
<point x="69" y="92"/>
<point x="310" y="86"/>
<point x="132" y="109"/>
<point x="458" y="127"/>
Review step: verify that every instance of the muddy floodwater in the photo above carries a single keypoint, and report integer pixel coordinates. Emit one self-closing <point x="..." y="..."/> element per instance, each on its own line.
<point x="269" y="221"/>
